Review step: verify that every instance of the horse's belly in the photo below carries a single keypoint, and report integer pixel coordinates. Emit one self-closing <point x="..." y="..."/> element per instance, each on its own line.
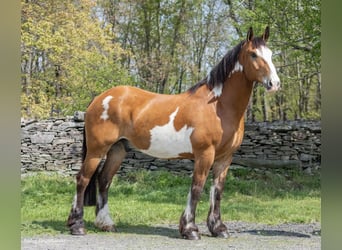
<point x="166" y="142"/>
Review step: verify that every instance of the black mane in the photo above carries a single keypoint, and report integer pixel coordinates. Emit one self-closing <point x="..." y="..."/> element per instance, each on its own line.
<point x="222" y="70"/>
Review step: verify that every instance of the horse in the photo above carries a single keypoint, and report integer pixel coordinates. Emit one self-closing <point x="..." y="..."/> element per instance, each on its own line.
<point x="204" y="124"/>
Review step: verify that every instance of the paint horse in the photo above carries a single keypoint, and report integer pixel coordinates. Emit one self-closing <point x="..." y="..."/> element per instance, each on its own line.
<point x="205" y="123"/>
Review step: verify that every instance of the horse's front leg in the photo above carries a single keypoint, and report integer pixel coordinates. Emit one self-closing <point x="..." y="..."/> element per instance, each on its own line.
<point x="214" y="222"/>
<point x="187" y="227"/>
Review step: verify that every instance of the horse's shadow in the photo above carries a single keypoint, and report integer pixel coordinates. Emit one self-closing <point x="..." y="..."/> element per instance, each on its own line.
<point x="61" y="227"/>
<point x="279" y="233"/>
<point x="149" y="230"/>
<point x="166" y="231"/>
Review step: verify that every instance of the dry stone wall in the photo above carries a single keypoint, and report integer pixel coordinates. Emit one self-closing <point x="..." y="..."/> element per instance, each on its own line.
<point x="56" y="145"/>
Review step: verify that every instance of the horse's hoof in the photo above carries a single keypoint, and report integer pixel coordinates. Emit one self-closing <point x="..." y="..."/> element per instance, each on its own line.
<point x="78" y="231"/>
<point x="191" y="235"/>
<point x="109" y="229"/>
<point x="223" y="235"/>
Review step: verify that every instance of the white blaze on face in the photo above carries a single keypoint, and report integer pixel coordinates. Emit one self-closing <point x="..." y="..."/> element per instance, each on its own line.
<point x="166" y="142"/>
<point x="266" y="54"/>
<point x="105" y="105"/>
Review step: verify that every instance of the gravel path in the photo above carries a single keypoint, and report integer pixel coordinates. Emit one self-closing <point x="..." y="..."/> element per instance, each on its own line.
<point x="242" y="236"/>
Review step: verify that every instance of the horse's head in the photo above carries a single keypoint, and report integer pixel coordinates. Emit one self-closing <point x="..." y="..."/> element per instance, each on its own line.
<point x="256" y="59"/>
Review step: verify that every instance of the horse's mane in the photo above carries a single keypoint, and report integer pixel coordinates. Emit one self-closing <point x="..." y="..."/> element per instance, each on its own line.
<point x="218" y="74"/>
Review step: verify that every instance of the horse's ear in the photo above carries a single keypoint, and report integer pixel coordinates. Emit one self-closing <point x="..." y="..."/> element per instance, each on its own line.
<point x="266" y="34"/>
<point x="250" y="34"/>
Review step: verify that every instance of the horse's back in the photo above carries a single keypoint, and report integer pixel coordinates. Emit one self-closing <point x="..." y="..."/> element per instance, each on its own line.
<point x="127" y="112"/>
<point x="113" y="101"/>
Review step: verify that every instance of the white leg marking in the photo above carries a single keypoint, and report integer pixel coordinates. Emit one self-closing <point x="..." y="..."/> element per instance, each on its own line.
<point x="187" y="211"/>
<point x="99" y="200"/>
<point x="166" y="142"/>
<point x="105" y="104"/>
<point x="74" y="202"/>
<point x="212" y="197"/>
<point x="103" y="218"/>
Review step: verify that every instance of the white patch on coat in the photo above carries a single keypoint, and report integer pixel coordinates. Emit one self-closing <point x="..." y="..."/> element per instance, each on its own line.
<point x="103" y="218"/>
<point x="237" y="68"/>
<point x="166" y="142"/>
<point x="105" y="105"/>
<point x="208" y="76"/>
<point x="217" y="90"/>
<point x="266" y="54"/>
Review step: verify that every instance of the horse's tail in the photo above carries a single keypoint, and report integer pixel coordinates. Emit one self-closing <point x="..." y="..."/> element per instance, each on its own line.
<point x="91" y="190"/>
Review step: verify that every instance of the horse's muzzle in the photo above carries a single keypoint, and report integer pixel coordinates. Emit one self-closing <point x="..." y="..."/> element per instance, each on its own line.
<point x="272" y="86"/>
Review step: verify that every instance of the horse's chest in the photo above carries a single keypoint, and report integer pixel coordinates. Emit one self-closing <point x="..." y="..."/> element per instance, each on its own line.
<point x="231" y="142"/>
<point x="167" y="142"/>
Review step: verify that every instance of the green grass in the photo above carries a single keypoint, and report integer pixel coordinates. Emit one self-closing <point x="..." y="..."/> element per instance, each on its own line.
<point x="145" y="198"/>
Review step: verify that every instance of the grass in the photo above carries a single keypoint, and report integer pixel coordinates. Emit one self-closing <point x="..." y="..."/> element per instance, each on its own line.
<point x="149" y="198"/>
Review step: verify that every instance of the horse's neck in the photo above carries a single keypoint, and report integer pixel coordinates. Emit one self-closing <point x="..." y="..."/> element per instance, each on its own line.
<point x="232" y="103"/>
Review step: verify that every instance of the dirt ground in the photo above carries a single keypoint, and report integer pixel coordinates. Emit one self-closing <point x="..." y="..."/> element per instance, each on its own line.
<point x="242" y="236"/>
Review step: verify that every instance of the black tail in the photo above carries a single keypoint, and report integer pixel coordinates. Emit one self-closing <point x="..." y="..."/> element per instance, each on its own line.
<point x="91" y="190"/>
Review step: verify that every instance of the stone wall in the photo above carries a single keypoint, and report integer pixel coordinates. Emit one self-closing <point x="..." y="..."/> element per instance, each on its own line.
<point x="56" y="144"/>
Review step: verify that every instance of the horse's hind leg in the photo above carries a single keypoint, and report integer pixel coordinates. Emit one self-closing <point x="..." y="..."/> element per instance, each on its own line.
<point x="113" y="161"/>
<point x="214" y="222"/>
<point x="75" y="219"/>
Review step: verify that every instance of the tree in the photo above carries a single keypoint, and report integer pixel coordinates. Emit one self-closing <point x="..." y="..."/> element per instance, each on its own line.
<point x="73" y="50"/>
<point x="168" y="40"/>
<point x="296" y="44"/>
<point x="67" y="58"/>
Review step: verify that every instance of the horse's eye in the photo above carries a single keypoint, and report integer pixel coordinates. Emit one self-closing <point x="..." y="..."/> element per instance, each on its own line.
<point x="253" y="55"/>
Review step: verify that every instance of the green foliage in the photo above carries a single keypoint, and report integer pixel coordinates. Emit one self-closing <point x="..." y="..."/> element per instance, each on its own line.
<point x="67" y="57"/>
<point x="295" y="41"/>
<point x="73" y="50"/>
<point x="149" y="198"/>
